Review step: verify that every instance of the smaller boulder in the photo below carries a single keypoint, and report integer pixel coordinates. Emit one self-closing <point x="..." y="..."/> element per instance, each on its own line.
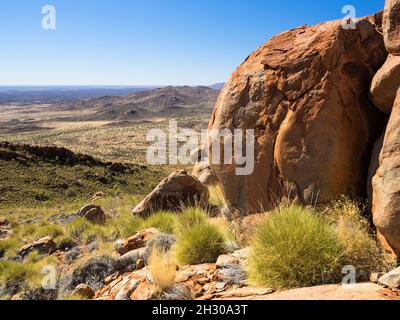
<point x="205" y="174"/>
<point x="129" y="261"/>
<point x="5" y="234"/>
<point x="83" y="290"/>
<point x="145" y="291"/>
<point x="125" y="292"/>
<point x="44" y="245"/>
<point x="139" y="240"/>
<point x="391" y="279"/>
<point x="385" y="84"/>
<point x="93" y="214"/>
<point x="178" y="191"/>
<point x="3" y="222"/>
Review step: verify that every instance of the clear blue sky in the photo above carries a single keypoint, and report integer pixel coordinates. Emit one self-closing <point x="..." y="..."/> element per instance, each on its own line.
<point x="147" y="42"/>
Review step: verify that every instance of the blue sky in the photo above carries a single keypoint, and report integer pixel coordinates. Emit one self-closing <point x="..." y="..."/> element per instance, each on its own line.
<point x="147" y="42"/>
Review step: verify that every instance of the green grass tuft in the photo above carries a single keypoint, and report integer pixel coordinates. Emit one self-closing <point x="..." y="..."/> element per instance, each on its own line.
<point x="201" y="243"/>
<point x="189" y="218"/>
<point x="294" y="247"/>
<point x="164" y="221"/>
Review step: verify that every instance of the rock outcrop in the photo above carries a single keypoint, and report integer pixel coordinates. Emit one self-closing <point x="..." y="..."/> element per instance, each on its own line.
<point x="177" y="191"/>
<point x="386" y="183"/>
<point x="93" y="214"/>
<point x="202" y="169"/>
<point x="385" y="84"/>
<point x="305" y="94"/>
<point x="45" y="245"/>
<point x="203" y="281"/>
<point x="391" y="279"/>
<point x="139" y="240"/>
<point x="391" y="26"/>
<point x="203" y="172"/>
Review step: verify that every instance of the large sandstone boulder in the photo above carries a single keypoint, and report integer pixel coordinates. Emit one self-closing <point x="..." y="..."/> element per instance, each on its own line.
<point x="391" y="26"/>
<point x="177" y="191"/>
<point x="305" y="93"/>
<point x="385" y="84"/>
<point x="386" y="183"/>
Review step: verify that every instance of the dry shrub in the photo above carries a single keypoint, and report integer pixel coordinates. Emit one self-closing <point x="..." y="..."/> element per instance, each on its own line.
<point x="162" y="268"/>
<point x="362" y="250"/>
<point x="216" y="196"/>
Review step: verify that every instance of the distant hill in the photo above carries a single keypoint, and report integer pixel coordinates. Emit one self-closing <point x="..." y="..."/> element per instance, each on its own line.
<point x="47" y="94"/>
<point x="217" y="86"/>
<point x="162" y="102"/>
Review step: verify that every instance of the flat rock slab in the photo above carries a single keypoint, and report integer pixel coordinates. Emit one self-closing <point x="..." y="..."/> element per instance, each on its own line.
<point x="361" y="291"/>
<point x="391" y="279"/>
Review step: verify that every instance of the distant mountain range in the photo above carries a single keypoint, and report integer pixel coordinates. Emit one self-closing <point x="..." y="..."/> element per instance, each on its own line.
<point x="56" y="94"/>
<point x="162" y="102"/>
<point x="49" y="94"/>
<point x="217" y="86"/>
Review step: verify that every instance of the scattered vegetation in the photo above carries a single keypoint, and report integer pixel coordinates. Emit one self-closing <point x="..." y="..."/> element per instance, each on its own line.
<point x="28" y="274"/>
<point x="10" y="247"/>
<point x="41" y="183"/>
<point x="164" y="221"/>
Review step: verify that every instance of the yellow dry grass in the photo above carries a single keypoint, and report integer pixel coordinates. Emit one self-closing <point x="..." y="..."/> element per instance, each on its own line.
<point x="162" y="268"/>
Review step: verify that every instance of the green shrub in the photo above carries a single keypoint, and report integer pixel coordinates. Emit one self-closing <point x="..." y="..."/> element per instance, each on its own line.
<point x="83" y="230"/>
<point x="164" y="221"/>
<point x="295" y="247"/>
<point x="77" y="227"/>
<point x="127" y="226"/>
<point x="10" y="247"/>
<point x="189" y="218"/>
<point x="201" y="243"/>
<point x="50" y="229"/>
<point x="12" y="271"/>
<point x="28" y="272"/>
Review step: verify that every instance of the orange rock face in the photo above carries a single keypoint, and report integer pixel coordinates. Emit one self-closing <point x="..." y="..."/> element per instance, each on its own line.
<point x="386" y="183"/>
<point x="305" y="93"/>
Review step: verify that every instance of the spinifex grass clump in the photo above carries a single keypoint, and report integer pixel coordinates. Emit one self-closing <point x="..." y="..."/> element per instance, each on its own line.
<point x="164" y="221"/>
<point x="294" y="247"/>
<point x="198" y="240"/>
